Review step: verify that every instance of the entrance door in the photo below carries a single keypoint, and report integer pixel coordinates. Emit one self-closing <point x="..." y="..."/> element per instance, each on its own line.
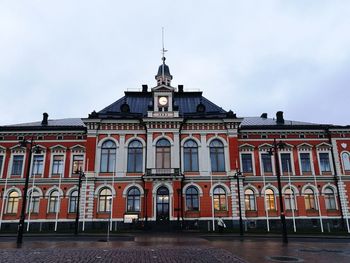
<point x="162" y="204"/>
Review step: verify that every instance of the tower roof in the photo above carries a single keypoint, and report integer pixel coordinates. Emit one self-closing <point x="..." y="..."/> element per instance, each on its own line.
<point x="163" y="69"/>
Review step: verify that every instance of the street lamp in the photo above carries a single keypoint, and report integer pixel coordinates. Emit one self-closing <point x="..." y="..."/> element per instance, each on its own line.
<point x="237" y="175"/>
<point x="279" y="146"/>
<point x="81" y="176"/>
<point x="24" y="143"/>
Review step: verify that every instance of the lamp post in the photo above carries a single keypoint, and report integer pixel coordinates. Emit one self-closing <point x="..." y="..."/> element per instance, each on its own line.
<point x="278" y="146"/>
<point x="25" y="144"/>
<point x="237" y="175"/>
<point x="81" y="176"/>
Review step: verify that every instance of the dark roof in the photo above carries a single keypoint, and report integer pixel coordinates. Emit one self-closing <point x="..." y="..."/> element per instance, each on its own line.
<point x="270" y="123"/>
<point x="140" y="102"/>
<point x="59" y="124"/>
<point x="166" y="71"/>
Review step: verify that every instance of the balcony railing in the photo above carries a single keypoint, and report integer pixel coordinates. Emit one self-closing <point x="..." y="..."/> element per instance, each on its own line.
<point x="163" y="172"/>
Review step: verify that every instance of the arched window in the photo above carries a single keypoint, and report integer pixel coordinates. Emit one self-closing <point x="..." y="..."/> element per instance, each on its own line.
<point x="309" y="199"/>
<point x="217" y="156"/>
<point x="329" y="198"/>
<point x="104" y="200"/>
<point x="192" y="199"/>
<point x="53" y="201"/>
<point x="346" y="161"/>
<point x="134" y="200"/>
<point x="73" y="202"/>
<point x="108" y="152"/>
<point x="249" y="200"/>
<point x="163" y="154"/>
<point x="270" y="199"/>
<point x="191" y="156"/>
<point x="135" y="157"/>
<point x="12" y="203"/>
<point x="289" y="199"/>
<point x="33" y="202"/>
<point x="220" y="199"/>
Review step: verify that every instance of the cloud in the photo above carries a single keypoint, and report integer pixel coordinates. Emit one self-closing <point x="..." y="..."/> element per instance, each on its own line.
<point x="71" y="57"/>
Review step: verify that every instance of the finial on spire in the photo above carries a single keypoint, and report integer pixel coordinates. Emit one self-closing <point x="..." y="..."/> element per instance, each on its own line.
<point x="163" y="49"/>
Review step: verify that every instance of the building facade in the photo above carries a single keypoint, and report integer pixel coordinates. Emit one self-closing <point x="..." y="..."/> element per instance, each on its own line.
<point x="166" y="157"/>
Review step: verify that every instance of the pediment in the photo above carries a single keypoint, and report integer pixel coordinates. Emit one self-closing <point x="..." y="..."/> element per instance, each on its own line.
<point x="163" y="88"/>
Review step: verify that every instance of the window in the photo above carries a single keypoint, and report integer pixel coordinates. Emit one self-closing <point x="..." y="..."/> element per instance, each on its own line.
<point x="220" y="199"/>
<point x="108" y="153"/>
<point x="270" y="199"/>
<point x="191" y="156"/>
<point x="345" y="158"/>
<point x="286" y="163"/>
<point x="163" y="154"/>
<point x="134" y="200"/>
<point x="38" y="165"/>
<point x="289" y="199"/>
<point x="12" y="203"/>
<point x="104" y="200"/>
<point x="247" y="163"/>
<point x="53" y="201"/>
<point x="73" y="202"/>
<point x="305" y="162"/>
<point x="192" y="200"/>
<point x="249" y="200"/>
<point x="57" y="164"/>
<point x="78" y="163"/>
<point x="135" y="157"/>
<point x="33" y="202"/>
<point x="309" y="199"/>
<point x="217" y="157"/>
<point x="266" y="162"/>
<point x="329" y="198"/>
<point x="17" y="164"/>
<point x="324" y="162"/>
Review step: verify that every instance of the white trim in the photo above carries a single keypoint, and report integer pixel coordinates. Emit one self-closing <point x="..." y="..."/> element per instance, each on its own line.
<point x="126" y="189"/>
<point x="126" y="152"/>
<point x="100" y="187"/>
<point x="63" y="164"/>
<point x="154" y="197"/>
<point x="184" y="189"/>
<point x="251" y="153"/>
<point x="98" y="153"/>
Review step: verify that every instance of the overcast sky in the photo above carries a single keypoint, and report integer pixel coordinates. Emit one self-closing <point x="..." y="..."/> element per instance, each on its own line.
<point x="69" y="58"/>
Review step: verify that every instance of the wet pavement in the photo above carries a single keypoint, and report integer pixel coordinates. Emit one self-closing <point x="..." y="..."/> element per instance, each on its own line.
<point x="150" y="247"/>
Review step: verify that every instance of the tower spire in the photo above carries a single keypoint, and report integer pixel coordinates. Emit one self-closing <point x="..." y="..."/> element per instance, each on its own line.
<point x="163" y="76"/>
<point x="163" y="52"/>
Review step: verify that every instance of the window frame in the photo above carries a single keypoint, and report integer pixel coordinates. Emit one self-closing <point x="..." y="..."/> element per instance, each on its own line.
<point x="134" y="154"/>
<point x="12" y="164"/>
<point x="107" y="204"/>
<point x="53" y="202"/>
<point x="320" y="153"/>
<point x="111" y="155"/>
<point x="190" y="198"/>
<point x="191" y="153"/>
<point x="73" y="199"/>
<point x="218" y="196"/>
<point x="330" y="199"/>
<point x="310" y="199"/>
<point x="14" y="201"/>
<point x="271" y="197"/>
<point x="134" y="198"/>
<point x="250" y="199"/>
<point x="217" y="155"/>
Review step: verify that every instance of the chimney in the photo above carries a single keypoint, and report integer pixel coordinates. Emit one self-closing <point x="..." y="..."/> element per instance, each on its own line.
<point x="180" y="88"/>
<point x="144" y="88"/>
<point x="45" y="117"/>
<point x="264" y="115"/>
<point x="279" y="117"/>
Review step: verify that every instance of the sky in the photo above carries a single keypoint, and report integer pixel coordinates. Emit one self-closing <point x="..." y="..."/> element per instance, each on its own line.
<point x="68" y="58"/>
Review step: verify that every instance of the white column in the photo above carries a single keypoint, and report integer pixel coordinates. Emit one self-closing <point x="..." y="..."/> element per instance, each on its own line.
<point x="175" y="162"/>
<point x="204" y="165"/>
<point x="121" y="162"/>
<point x="150" y="155"/>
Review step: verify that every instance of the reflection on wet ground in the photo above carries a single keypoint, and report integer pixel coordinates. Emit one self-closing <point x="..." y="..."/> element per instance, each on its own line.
<point x="250" y="249"/>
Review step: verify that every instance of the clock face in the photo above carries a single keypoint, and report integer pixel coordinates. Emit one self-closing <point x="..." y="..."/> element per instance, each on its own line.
<point x="163" y="101"/>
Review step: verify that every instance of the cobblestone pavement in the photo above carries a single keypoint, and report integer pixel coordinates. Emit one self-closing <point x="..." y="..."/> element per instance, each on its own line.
<point x="135" y="254"/>
<point x="170" y="247"/>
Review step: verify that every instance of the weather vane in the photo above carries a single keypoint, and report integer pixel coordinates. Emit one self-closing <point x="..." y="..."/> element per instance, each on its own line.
<point x="163" y="49"/>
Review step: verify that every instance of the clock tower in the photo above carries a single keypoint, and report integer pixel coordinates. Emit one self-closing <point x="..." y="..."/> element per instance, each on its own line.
<point x="163" y="93"/>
